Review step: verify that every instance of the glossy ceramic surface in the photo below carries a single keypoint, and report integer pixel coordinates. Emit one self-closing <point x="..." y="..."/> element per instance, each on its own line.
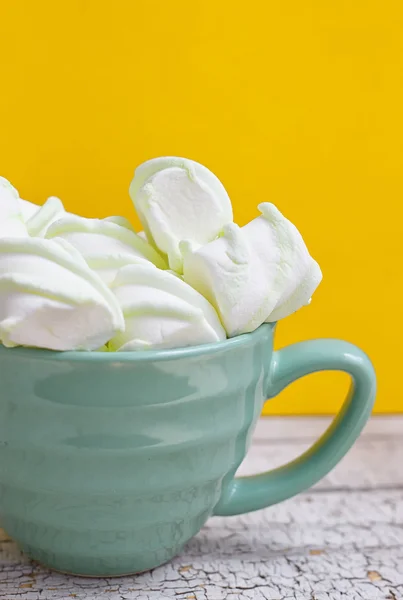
<point x="110" y="463"/>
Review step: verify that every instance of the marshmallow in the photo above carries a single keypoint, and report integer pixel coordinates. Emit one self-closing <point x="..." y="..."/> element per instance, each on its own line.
<point x="178" y="199"/>
<point x="27" y="209"/>
<point x="162" y="311"/>
<point x="50" y="298"/>
<point x="40" y="221"/>
<point x="106" y="244"/>
<point x="11" y="219"/>
<point x="36" y="218"/>
<point x="260" y="272"/>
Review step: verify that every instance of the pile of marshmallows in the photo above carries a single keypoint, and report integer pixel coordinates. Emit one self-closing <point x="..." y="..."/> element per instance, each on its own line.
<point x="192" y="277"/>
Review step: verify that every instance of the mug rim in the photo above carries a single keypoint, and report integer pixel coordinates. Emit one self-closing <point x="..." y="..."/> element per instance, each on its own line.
<point x="84" y="356"/>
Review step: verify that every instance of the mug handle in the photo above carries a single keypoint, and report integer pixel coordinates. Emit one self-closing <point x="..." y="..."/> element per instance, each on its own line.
<point x="246" y="494"/>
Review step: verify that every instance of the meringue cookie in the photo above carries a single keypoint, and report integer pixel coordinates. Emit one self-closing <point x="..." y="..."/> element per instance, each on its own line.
<point x="178" y="199"/>
<point x="107" y="245"/>
<point x="11" y="219"/>
<point x="162" y="311"/>
<point x="260" y="272"/>
<point x="50" y="298"/>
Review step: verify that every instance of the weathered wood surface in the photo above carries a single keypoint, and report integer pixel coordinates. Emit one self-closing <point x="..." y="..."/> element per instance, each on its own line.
<point x="341" y="540"/>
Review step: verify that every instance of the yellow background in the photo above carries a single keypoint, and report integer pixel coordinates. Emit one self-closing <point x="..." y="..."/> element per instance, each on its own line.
<point x="298" y="102"/>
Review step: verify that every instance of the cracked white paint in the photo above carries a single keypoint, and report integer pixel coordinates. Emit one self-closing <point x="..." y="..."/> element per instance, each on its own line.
<point x="327" y="544"/>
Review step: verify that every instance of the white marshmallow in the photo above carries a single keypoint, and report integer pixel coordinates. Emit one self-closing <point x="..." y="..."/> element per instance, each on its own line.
<point x="178" y="199"/>
<point x="11" y="219"/>
<point x="50" y="298"/>
<point x="38" y="218"/>
<point x="27" y="209"/>
<point x="40" y="221"/>
<point x="162" y="311"/>
<point x="260" y="272"/>
<point x="106" y="244"/>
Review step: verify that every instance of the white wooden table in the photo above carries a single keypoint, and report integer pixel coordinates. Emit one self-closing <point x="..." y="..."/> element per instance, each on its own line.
<point x="342" y="539"/>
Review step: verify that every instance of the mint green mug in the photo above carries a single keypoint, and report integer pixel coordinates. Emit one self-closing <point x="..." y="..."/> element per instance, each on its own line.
<point x="111" y="462"/>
